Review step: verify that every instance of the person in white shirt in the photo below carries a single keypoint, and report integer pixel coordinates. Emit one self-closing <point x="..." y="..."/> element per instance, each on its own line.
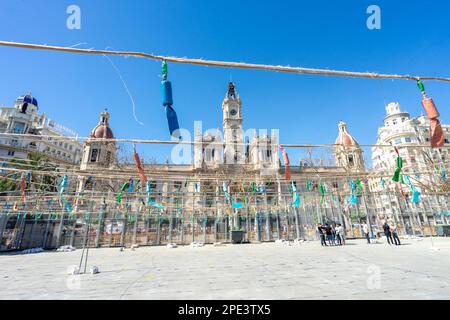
<point x="393" y="229"/>
<point x="340" y="234"/>
<point x="366" y="231"/>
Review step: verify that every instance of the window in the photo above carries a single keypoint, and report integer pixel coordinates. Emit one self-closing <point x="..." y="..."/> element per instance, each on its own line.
<point x="19" y="128"/>
<point x="351" y="161"/>
<point x="108" y="157"/>
<point x="11" y="153"/>
<point x="177" y="185"/>
<point x="94" y="155"/>
<point x="446" y="141"/>
<point x="394" y="122"/>
<point x="408" y="140"/>
<point x="398" y="141"/>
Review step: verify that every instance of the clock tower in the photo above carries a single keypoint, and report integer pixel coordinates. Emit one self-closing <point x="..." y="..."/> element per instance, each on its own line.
<point x="232" y="127"/>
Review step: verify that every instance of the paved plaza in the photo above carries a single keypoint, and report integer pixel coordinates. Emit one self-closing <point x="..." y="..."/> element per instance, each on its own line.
<point x="414" y="270"/>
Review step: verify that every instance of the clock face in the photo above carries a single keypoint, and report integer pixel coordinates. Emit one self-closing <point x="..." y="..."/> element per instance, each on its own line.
<point x="233" y="112"/>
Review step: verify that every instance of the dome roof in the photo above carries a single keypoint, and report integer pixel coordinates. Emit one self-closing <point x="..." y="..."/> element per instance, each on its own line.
<point x="102" y="130"/>
<point x="344" y="138"/>
<point x="27" y="99"/>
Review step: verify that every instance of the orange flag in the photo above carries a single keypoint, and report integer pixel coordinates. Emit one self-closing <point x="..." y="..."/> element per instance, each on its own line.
<point x="139" y="167"/>
<point x="286" y="163"/>
<point x="437" y="134"/>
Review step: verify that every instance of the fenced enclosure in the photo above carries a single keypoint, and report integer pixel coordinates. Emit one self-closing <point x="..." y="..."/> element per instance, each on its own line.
<point x="23" y="228"/>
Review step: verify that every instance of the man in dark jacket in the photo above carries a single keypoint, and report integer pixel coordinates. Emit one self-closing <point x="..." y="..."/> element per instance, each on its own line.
<point x="387" y="233"/>
<point x="322" y="235"/>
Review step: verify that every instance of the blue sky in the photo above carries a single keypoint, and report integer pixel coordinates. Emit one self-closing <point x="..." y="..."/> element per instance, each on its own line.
<point x="73" y="89"/>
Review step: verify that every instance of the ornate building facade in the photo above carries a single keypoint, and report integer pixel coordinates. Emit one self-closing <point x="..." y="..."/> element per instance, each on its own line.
<point x="236" y="180"/>
<point x="425" y="167"/>
<point x="24" y="118"/>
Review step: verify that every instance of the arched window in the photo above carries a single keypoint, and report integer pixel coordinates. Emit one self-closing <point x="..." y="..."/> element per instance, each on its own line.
<point x="351" y="161"/>
<point x="94" y="155"/>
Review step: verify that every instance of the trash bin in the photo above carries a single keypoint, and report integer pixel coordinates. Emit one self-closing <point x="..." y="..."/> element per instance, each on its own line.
<point x="237" y="236"/>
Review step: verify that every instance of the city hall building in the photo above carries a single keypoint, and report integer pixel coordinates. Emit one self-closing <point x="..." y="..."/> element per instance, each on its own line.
<point x="235" y="182"/>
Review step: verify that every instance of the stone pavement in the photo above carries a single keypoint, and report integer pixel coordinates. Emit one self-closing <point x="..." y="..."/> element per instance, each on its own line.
<point x="254" y="271"/>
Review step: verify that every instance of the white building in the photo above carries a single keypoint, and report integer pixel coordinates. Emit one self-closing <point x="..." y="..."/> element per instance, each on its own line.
<point x="419" y="163"/>
<point x="24" y="118"/>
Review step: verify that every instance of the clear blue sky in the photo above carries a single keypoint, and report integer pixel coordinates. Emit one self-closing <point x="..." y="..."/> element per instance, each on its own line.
<point x="73" y="89"/>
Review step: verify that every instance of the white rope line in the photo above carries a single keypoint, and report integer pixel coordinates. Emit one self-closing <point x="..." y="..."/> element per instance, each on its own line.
<point x="226" y="64"/>
<point x="32" y="137"/>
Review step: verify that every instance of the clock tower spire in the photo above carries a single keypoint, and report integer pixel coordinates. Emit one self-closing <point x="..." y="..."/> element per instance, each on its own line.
<point x="232" y="127"/>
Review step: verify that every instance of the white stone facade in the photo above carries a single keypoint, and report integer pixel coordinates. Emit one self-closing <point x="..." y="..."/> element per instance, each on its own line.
<point x="23" y="118"/>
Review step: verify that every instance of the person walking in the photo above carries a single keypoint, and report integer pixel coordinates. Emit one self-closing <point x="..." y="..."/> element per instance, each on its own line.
<point x="394" y="233"/>
<point x="322" y="235"/>
<point x="365" y="228"/>
<point x="387" y="233"/>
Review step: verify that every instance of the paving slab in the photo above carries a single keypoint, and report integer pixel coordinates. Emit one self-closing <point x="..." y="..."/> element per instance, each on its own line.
<point x="415" y="270"/>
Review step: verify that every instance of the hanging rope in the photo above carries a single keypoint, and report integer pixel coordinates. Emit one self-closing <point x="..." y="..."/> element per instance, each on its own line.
<point x="225" y="64"/>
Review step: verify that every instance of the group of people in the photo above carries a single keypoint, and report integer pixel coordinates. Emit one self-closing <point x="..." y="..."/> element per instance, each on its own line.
<point x="335" y="236"/>
<point x="390" y="231"/>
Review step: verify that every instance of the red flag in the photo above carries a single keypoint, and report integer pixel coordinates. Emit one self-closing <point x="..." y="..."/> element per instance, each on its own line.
<point x="286" y="163"/>
<point x="139" y="167"/>
<point x="436" y="132"/>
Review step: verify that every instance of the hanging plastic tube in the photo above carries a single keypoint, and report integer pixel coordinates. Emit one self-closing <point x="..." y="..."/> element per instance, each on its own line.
<point x="398" y="176"/>
<point x="62" y="187"/>
<point x="125" y="186"/>
<point x="416" y="194"/>
<point x="436" y="132"/>
<point x="167" y="101"/>
<point x="353" y="198"/>
<point x="308" y="185"/>
<point x="236" y="205"/>
<point x="286" y="163"/>
<point x="323" y="191"/>
<point x="383" y="183"/>
<point x="149" y="200"/>
<point x="296" y="201"/>
<point x="137" y="160"/>
<point x="131" y="185"/>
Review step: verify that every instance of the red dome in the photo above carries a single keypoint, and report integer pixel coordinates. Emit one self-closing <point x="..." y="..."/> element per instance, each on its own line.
<point x="344" y="138"/>
<point x="102" y="131"/>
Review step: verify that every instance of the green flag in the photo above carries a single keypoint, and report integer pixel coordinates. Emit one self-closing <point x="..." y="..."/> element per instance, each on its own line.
<point x="119" y="195"/>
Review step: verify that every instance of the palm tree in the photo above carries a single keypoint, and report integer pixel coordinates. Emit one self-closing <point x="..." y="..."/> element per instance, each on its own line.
<point x="37" y="163"/>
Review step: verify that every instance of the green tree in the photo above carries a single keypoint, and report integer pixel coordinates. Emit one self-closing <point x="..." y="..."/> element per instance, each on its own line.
<point x="38" y="164"/>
